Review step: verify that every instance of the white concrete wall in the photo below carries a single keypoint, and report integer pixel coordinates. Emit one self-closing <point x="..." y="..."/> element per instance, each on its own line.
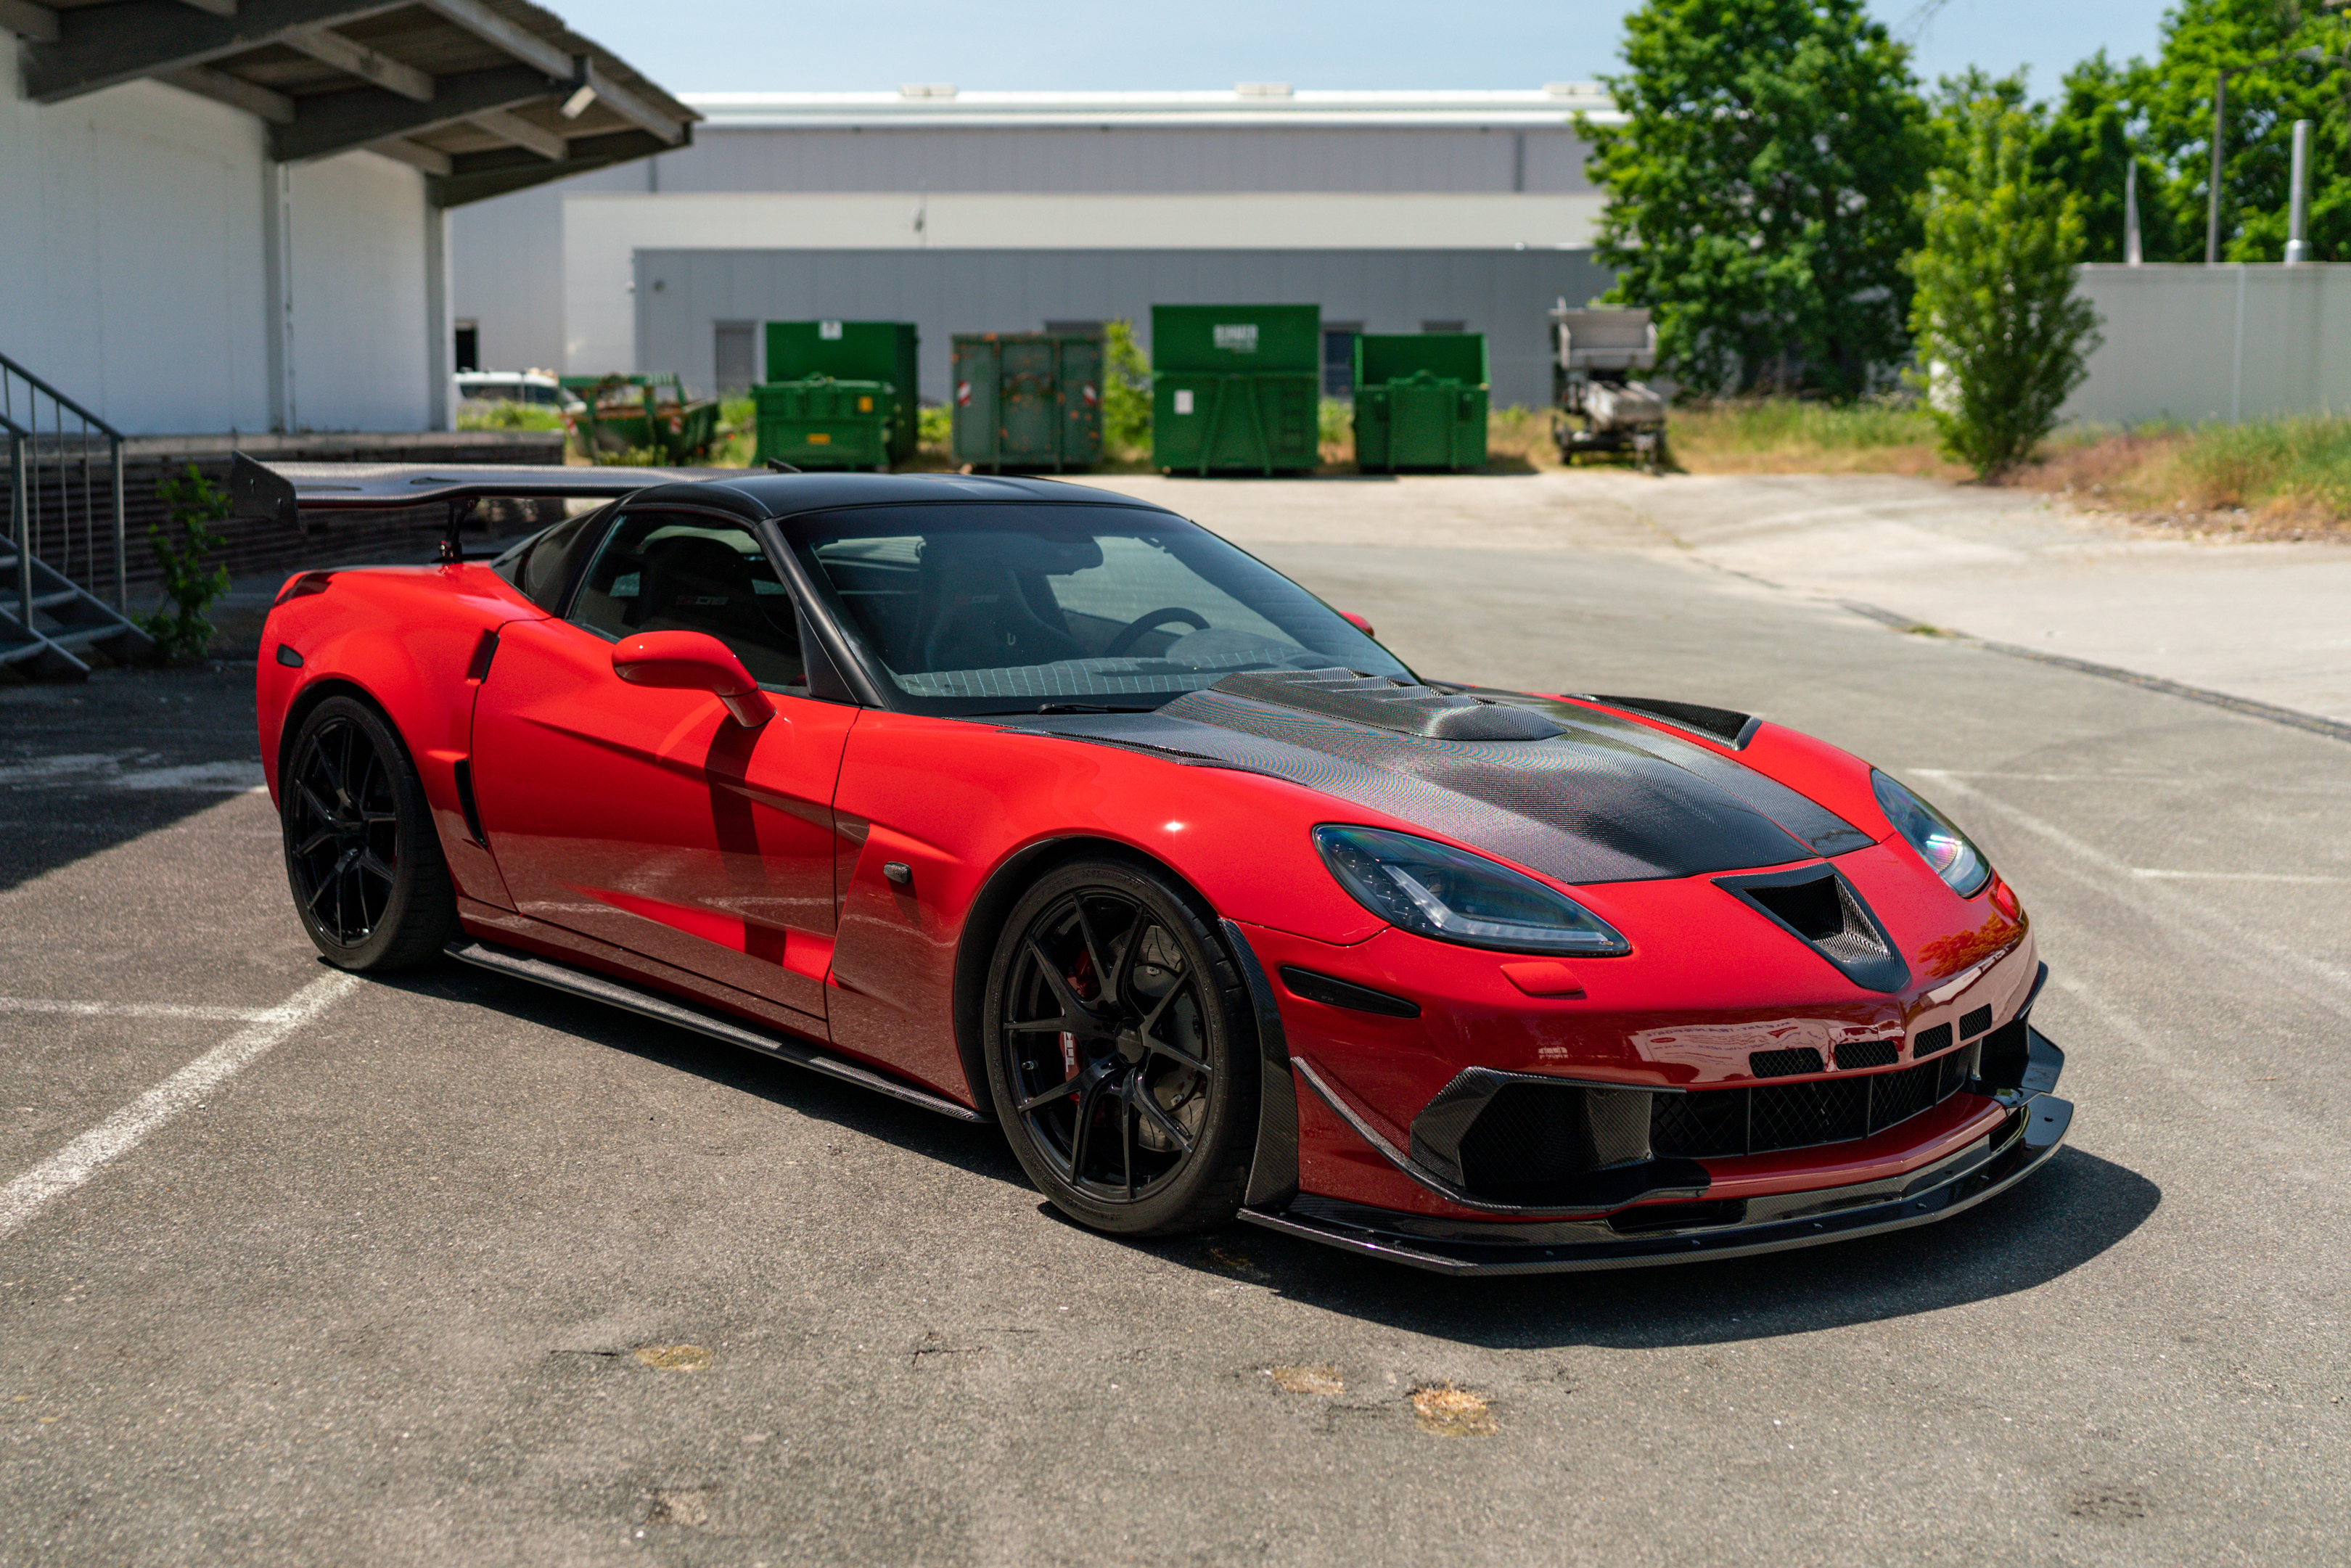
<point x="2196" y="344"/>
<point x="361" y="333"/>
<point x="133" y="248"/>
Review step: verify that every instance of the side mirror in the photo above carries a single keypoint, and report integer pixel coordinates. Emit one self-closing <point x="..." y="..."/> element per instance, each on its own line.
<point x="693" y="662"/>
<point x="1358" y="622"/>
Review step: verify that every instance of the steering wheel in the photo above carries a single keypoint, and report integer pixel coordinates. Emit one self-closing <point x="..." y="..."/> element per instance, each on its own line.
<point x="1145" y="622"/>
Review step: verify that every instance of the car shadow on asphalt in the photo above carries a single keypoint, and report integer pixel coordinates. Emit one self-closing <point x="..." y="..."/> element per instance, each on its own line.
<point x="975" y="1147"/>
<point x="2068" y="1214"/>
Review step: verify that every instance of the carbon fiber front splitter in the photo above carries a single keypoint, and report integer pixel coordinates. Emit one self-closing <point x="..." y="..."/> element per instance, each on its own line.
<point x="2036" y="1127"/>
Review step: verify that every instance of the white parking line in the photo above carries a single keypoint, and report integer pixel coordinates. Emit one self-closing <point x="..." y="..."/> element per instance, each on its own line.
<point x="137" y="1010"/>
<point x="83" y="1158"/>
<point x="2237" y="875"/>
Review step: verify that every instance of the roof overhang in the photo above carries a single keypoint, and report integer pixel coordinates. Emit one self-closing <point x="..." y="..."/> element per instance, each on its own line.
<point x="1551" y="108"/>
<point x="485" y="95"/>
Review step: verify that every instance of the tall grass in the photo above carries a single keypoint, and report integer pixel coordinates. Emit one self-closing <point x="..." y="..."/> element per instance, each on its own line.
<point x="1786" y="424"/>
<point x="2297" y="464"/>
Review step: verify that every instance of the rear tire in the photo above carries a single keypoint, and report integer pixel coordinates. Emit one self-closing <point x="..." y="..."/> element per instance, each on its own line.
<point x="361" y="854"/>
<point x="1122" y="1050"/>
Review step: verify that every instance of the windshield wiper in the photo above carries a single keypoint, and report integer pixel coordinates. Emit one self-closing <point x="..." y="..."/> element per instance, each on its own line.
<point x="1090" y="707"/>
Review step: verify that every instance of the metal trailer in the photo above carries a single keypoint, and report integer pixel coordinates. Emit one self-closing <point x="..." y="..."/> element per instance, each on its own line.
<point x="1420" y="400"/>
<point x="1236" y="387"/>
<point x="641" y="413"/>
<point x="1028" y="399"/>
<point x="817" y="422"/>
<point x="883" y="353"/>
<point x="1594" y="356"/>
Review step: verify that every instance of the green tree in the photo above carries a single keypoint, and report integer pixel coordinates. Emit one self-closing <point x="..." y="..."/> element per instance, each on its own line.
<point x="2199" y="38"/>
<point x="1761" y="190"/>
<point x="182" y="542"/>
<point x="1995" y="316"/>
<point x="2094" y="130"/>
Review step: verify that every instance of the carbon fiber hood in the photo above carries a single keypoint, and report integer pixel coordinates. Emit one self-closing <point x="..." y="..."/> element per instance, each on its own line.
<point x="1581" y="797"/>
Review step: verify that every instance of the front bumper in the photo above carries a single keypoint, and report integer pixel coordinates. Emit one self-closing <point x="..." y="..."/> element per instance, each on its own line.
<point x="2034" y="1128"/>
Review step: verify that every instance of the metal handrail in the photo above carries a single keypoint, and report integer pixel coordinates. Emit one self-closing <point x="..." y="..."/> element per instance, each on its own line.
<point x="24" y="489"/>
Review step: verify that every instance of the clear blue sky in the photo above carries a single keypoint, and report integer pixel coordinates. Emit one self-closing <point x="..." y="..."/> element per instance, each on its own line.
<point x="743" y="46"/>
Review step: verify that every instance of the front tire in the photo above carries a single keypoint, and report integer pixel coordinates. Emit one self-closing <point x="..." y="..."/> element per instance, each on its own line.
<point x="360" y="851"/>
<point x="1121" y="1051"/>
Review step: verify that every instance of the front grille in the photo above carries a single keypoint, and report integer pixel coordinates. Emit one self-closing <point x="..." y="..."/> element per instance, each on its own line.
<point x="1975" y="1023"/>
<point x="1717" y="1123"/>
<point x="1855" y="1053"/>
<point x="1784" y="1063"/>
<point x="1931" y="1041"/>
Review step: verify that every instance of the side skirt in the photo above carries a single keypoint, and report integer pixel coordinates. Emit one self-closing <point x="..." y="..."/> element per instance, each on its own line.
<point x="667" y="1009"/>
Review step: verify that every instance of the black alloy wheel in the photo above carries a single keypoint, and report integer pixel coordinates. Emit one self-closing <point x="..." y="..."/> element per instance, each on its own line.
<point x="360" y="850"/>
<point x="1120" y="1051"/>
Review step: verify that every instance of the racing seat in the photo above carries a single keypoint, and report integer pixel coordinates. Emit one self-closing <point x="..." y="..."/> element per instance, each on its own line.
<point x="977" y="613"/>
<point x="694" y="583"/>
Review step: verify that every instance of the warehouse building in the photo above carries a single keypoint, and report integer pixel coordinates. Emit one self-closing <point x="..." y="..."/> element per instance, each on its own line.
<point x="964" y="211"/>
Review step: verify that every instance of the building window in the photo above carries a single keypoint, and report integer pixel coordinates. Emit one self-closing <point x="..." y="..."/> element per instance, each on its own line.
<point x="735" y="357"/>
<point x="1339" y="358"/>
<point x="1092" y="328"/>
<point x="469" y="356"/>
<point x="1444" y="326"/>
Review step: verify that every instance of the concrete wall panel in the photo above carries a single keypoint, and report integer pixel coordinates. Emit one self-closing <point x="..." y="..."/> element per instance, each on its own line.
<point x="2195" y="343"/>
<point x="1502" y="294"/>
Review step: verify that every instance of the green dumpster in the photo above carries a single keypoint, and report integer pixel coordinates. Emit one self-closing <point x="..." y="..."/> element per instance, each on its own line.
<point x="881" y="353"/>
<point x="817" y="422"/>
<point x="1235" y="387"/>
<point x="1420" y="401"/>
<point x="635" y="413"/>
<point x="1028" y="399"/>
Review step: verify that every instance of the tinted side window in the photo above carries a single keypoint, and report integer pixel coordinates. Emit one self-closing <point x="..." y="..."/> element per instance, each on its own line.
<point x="682" y="572"/>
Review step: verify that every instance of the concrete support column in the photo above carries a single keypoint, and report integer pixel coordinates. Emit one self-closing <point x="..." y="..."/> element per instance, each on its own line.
<point x="277" y="284"/>
<point x="439" y="327"/>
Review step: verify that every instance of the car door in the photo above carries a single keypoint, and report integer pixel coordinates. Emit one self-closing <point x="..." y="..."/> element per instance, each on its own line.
<point x="648" y="817"/>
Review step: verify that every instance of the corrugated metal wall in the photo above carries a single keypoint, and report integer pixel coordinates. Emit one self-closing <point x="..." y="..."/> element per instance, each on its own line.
<point x="680" y="295"/>
<point x="1139" y="160"/>
<point x="2196" y="343"/>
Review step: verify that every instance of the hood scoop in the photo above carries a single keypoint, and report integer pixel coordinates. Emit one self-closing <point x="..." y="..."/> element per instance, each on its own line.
<point x="1383" y="703"/>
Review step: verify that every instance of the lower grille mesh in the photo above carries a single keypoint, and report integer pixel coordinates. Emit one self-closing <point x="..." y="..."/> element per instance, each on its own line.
<point x="1716" y="1123"/>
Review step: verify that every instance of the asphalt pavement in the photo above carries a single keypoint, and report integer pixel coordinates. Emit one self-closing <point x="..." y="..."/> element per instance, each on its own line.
<point x="299" y="1269"/>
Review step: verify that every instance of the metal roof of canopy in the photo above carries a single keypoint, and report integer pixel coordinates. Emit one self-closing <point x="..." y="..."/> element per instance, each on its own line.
<point x="1252" y="104"/>
<point x="485" y="95"/>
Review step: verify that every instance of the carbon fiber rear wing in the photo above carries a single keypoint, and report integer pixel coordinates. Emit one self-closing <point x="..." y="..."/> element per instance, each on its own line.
<point x="282" y="492"/>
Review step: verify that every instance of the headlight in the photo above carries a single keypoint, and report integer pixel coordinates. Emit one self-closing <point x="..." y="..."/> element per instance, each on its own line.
<point x="1948" y="852"/>
<point x="1433" y="889"/>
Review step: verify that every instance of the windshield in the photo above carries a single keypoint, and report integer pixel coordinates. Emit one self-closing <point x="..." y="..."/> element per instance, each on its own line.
<point x="1013" y="609"/>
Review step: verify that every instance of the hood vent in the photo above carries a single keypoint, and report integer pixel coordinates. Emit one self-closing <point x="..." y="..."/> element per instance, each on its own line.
<point x="1387" y="704"/>
<point x="1733" y="729"/>
<point x="1819" y="908"/>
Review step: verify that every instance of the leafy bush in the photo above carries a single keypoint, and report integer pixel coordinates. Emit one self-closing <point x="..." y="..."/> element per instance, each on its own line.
<point x="505" y="415"/>
<point x="1126" y="393"/>
<point x="1334" y="429"/>
<point x="190" y="505"/>
<point x="1995" y="316"/>
<point x="934" y="429"/>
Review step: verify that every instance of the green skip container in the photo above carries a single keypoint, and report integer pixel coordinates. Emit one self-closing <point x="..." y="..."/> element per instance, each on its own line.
<point x="823" y="357"/>
<point x="1421" y="401"/>
<point x="818" y="422"/>
<point x="1235" y="387"/>
<point x="1028" y="399"/>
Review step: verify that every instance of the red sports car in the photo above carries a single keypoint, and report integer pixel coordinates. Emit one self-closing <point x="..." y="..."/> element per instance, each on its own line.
<point x="1033" y="803"/>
